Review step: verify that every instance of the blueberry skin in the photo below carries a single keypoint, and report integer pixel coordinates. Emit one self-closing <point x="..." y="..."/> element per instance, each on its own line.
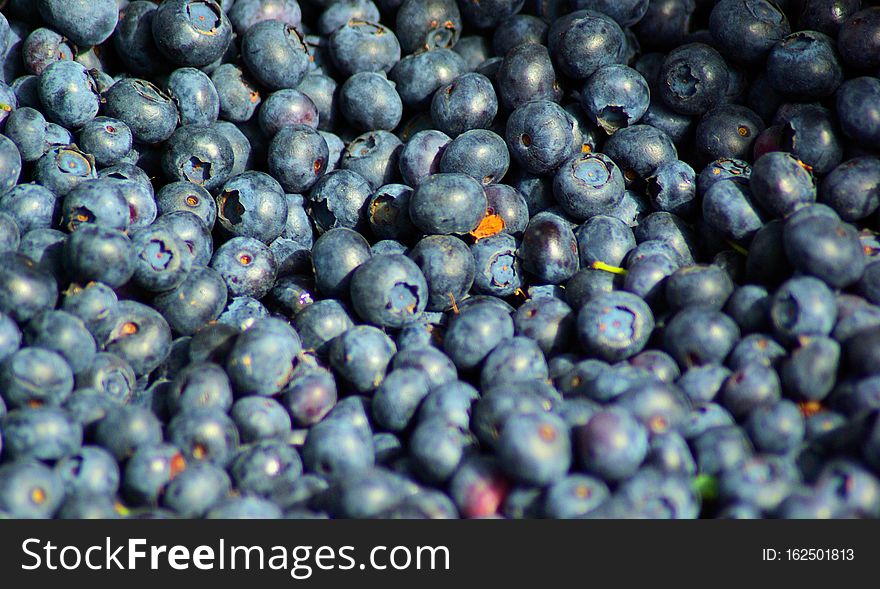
<point x="625" y="13"/>
<point x="245" y="507"/>
<point x="479" y="153"/>
<point x="417" y="76"/>
<point x="468" y="102"/>
<point x="549" y="249"/>
<point x="241" y="312"/>
<point x="535" y="449"/>
<point x="150" y="113"/>
<point x="136" y="333"/>
<point x="68" y="94"/>
<point x="43" y="47"/>
<point x="497" y="269"/>
<point x="275" y="54"/>
<point x="204" y="435"/>
<point x="852" y="188"/>
<point x="858" y="109"/>
<point x="321" y="453"/>
<point x="630" y="321"/>
<point x="252" y="204"/>
<point x="195" y="96"/>
<point x="127" y="428"/>
<point x="133" y="40"/>
<point x="585" y="40"/>
<point x="65" y="334"/>
<point x="389" y="290"/>
<point x="448" y="204"/>
<point x="10" y="337"/>
<point x="194" y="233"/>
<point x="338" y="200"/>
<point x="162" y="258"/>
<point x="298" y="156"/>
<point x="30" y="490"/>
<point x="240" y="144"/>
<point x="308" y="398"/>
<point x="10" y="166"/>
<point x="287" y="107"/>
<point x="322" y="91"/>
<point x="420" y="156"/>
<point x="857" y="39"/>
<point x="611" y="445"/>
<point x="335" y="256"/>
<point x="369" y="101"/>
<point x="574" y="496"/>
<point x="509" y="204"/>
<point x="99" y="253"/>
<point x="526" y="73"/>
<point x="363" y="46"/>
<point x="199" y="384"/>
<point x="825" y="248"/>
<point x="541" y="136"/>
<point x="361" y="356"/>
<point x="811" y="370"/>
<point x="247" y="266"/>
<point x="266" y="468"/>
<point x="812" y="136"/>
<point x="427" y="25"/>
<point x="826" y="17"/>
<point x="199" y="155"/>
<point x="746" y="30"/>
<point x="107" y="139"/>
<point x="338" y="13"/>
<point x="99" y="202"/>
<point x="246" y="13"/>
<point x="436" y="448"/>
<point x="448" y="267"/>
<point x="693" y="79"/>
<point x="780" y="184"/>
<point x="239" y="96"/>
<point x="35" y="376"/>
<point x="802" y="306"/>
<point x="149" y="470"/>
<point x="191" y="33"/>
<point x="320" y="322"/>
<point x="728" y="131"/>
<point x="804" y="65"/>
<point x="187" y="196"/>
<point x="26" y="127"/>
<point x="698" y="285"/>
<point x="638" y="151"/>
<point x="84" y="23"/>
<point x="515" y="360"/>
<point x="698" y="336"/>
<point x="615" y="96"/>
<point x="374" y="156"/>
<point x="196" y="490"/>
<point x="388" y="212"/>
<point x="475" y="332"/>
<point x="396" y="400"/>
<point x="91" y="470"/>
<point x="588" y="185"/>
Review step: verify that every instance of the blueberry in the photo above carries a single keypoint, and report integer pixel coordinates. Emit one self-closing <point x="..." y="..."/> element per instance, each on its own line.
<point x="338" y="199"/>
<point x="588" y="185"/>
<point x="448" y="267"/>
<point x="388" y="212"/>
<point x="615" y="96"/>
<point x="638" y="150"/>
<point x="418" y="75"/>
<point x="448" y="204"/>
<point x="611" y="445"/>
<point x="239" y="96"/>
<point x="693" y="79"/>
<point x="191" y="32"/>
<point x="320" y="322"/>
<point x="361" y="356"/>
<point x="196" y="490"/>
<point x="852" y="188"/>
<point x="549" y="248"/>
<point x="614" y="326"/>
<point x="369" y="101"/>
<point x="858" y="102"/>
<point x="389" y="290"/>
<point x="527" y="74"/>
<point x="535" y="449"/>
<point x="42" y="48"/>
<point x="574" y="495"/>
<point x="728" y="208"/>
<point x="585" y="40"/>
<point x="67" y="92"/>
<point x="200" y="155"/>
<point x="468" y="102"/>
<point x="246" y="13"/>
<point x="856" y="39"/>
<point x="29" y="489"/>
<point x="746" y="30"/>
<point x="363" y="46"/>
<point x="697" y="336"/>
<point x="540" y="135"/>
<point x="825" y="248"/>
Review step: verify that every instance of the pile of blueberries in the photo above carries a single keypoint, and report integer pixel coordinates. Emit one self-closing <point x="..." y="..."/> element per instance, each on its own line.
<point x="440" y="258"/>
